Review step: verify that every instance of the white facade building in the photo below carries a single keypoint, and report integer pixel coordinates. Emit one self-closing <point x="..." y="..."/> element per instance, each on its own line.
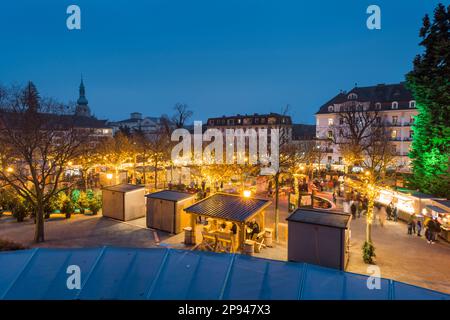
<point x="395" y="106"/>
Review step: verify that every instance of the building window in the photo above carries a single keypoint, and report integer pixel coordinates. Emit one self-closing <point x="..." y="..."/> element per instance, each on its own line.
<point x="378" y="106"/>
<point x="378" y="120"/>
<point x="317" y="122"/>
<point x="330" y="121"/>
<point x="411" y="119"/>
<point x="330" y="109"/>
<point x="330" y="134"/>
<point x="352" y="96"/>
<point x="341" y="121"/>
<point x="412" y="104"/>
<point x="395" y="105"/>
<point x="394" y="134"/>
<point x="411" y="134"/>
<point x="340" y="160"/>
<point x="330" y="159"/>
<point x="394" y="119"/>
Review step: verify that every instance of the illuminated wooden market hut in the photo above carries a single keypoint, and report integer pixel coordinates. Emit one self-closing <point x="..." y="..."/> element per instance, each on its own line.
<point x="224" y="214"/>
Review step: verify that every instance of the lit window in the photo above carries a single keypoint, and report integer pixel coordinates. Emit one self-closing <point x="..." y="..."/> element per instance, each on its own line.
<point x="330" y="121"/>
<point x="412" y="104"/>
<point x="395" y="105"/>
<point x="330" y="134"/>
<point x="394" y="134"/>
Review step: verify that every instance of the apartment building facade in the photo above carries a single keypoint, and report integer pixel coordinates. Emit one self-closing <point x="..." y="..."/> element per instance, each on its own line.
<point x="395" y="107"/>
<point x="255" y="121"/>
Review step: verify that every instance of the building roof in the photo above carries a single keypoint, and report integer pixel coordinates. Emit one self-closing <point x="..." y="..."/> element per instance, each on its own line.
<point x="437" y="209"/>
<point x="228" y="206"/>
<point x="222" y="121"/>
<point x="445" y="203"/>
<point x="384" y="94"/>
<point x="303" y="131"/>
<point x="170" y="195"/>
<point x="421" y="195"/>
<point x="320" y="217"/>
<point x="124" y="188"/>
<point x="168" y="274"/>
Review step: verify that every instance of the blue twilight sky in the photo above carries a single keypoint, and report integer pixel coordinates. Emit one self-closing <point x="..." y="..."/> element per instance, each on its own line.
<point x="218" y="56"/>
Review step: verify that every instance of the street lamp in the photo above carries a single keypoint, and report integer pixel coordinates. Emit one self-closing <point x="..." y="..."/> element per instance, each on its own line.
<point x="9" y="170"/>
<point x="247" y="193"/>
<point x="109" y="176"/>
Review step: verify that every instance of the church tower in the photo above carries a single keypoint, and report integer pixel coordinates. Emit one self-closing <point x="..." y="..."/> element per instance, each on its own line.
<point x="82" y="109"/>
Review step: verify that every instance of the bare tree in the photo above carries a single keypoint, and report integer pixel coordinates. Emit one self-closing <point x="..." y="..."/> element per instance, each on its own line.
<point x="38" y="140"/>
<point x="353" y="130"/>
<point x="182" y="113"/>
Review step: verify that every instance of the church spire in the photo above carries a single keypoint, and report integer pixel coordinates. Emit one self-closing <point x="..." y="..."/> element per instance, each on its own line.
<point x="82" y="108"/>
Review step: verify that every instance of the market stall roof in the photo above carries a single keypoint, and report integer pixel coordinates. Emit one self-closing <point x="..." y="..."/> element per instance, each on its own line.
<point x="228" y="206"/>
<point x="421" y="195"/>
<point x="320" y="217"/>
<point x="156" y="273"/>
<point x="436" y="209"/>
<point x="445" y="203"/>
<point x="124" y="188"/>
<point x="170" y="195"/>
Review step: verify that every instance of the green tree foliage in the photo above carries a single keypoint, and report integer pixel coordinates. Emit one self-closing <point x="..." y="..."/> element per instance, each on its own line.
<point x="430" y="84"/>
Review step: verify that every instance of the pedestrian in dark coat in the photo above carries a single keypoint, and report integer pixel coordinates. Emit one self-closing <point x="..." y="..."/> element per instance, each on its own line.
<point x="353" y="210"/>
<point x="419" y="228"/>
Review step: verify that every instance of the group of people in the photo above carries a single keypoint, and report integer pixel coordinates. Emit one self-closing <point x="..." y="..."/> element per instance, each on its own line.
<point x="432" y="228"/>
<point x="359" y="207"/>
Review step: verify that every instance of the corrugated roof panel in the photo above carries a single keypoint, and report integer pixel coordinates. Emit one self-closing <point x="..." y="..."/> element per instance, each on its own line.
<point x="170" y="195"/>
<point x="403" y="291"/>
<point x="246" y="279"/>
<point x="323" y="283"/>
<point x="121" y="273"/>
<point x="227" y="206"/>
<point x="45" y="275"/>
<point x="356" y="288"/>
<point x="12" y="263"/>
<point x="282" y="281"/>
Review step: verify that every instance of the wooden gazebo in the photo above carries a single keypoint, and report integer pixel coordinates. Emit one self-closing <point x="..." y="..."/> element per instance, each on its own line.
<point x="229" y="209"/>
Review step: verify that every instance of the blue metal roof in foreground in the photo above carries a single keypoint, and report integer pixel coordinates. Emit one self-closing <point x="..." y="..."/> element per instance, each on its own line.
<point x="134" y="273"/>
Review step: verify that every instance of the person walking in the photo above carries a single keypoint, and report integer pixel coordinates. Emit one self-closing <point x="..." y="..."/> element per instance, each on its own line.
<point x="395" y="213"/>
<point x="419" y="227"/>
<point x="410" y="223"/>
<point x="429" y="230"/>
<point x="389" y="211"/>
<point x="353" y="210"/>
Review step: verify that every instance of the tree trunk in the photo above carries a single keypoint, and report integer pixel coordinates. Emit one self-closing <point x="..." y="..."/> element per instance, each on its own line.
<point x="369" y="219"/>
<point x="156" y="175"/>
<point x="39" y="228"/>
<point x="277" y="213"/>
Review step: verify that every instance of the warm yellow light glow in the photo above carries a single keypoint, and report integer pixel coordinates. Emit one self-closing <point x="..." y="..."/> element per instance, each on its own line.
<point x="247" y="193"/>
<point x="367" y="173"/>
<point x="9" y="169"/>
<point x="70" y="163"/>
<point x="109" y="176"/>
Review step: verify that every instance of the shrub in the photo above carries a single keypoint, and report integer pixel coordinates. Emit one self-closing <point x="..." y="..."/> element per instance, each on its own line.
<point x="95" y="203"/>
<point x="6" y="245"/>
<point x="83" y="202"/>
<point x="368" y="252"/>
